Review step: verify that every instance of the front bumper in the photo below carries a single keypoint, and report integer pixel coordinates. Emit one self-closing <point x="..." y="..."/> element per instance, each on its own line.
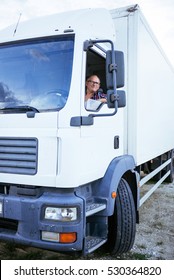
<point x="22" y="220"/>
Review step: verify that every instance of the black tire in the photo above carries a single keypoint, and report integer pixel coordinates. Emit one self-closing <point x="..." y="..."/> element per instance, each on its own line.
<point x="122" y="224"/>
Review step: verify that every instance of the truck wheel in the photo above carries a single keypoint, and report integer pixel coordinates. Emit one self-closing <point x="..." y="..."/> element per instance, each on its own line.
<point x="122" y="224"/>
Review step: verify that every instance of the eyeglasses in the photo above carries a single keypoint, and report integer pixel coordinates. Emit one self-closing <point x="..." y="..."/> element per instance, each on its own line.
<point x="94" y="83"/>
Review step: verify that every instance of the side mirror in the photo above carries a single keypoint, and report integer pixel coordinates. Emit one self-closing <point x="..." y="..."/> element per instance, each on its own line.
<point x="118" y="65"/>
<point x="120" y="97"/>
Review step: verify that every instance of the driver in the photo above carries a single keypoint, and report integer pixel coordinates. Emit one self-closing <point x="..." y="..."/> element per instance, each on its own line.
<point x="92" y="89"/>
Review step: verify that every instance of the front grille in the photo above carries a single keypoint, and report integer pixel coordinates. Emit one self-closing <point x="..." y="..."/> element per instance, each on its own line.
<point x="18" y="155"/>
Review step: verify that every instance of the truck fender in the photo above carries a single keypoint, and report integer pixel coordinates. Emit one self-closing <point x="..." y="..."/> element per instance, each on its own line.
<point x="109" y="183"/>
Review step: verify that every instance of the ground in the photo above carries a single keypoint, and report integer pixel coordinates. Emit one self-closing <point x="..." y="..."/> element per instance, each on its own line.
<point x="154" y="237"/>
<point x="155" y="232"/>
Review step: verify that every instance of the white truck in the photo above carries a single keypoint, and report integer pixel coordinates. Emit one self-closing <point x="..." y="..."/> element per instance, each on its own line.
<point x="70" y="177"/>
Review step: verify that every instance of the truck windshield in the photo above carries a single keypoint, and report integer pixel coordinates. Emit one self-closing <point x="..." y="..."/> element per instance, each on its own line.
<point x="36" y="74"/>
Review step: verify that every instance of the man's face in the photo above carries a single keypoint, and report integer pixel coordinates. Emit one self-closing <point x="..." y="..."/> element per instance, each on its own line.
<point x="93" y="83"/>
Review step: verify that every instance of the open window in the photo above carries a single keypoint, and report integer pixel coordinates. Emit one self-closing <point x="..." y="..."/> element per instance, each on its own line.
<point x="95" y="65"/>
<point x="109" y="66"/>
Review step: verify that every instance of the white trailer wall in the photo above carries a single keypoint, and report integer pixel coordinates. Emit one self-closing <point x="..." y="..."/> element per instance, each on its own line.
<point x="149" y="121"/>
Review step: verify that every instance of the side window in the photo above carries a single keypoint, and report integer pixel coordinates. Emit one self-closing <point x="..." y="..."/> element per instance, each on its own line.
<point x="95" y="86"/>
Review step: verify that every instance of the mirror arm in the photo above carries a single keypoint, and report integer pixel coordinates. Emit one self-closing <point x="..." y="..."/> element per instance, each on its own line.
<point x="103" y="115"/>
<point x="87" y="45"/>
<point x="90" y="43"/>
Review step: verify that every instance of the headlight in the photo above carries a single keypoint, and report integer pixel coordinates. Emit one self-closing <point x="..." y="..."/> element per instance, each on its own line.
<point x="61" y="214"/>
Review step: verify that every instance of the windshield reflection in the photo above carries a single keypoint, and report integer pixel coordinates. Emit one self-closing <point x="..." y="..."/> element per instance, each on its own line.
<point x="36" y="74"/>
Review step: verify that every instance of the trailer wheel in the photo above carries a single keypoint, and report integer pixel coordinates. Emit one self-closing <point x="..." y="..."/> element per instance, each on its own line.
<point x="122" y="224"/>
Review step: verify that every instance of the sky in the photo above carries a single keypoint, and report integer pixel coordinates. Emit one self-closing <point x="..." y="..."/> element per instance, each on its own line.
<point x="159" y="14"/>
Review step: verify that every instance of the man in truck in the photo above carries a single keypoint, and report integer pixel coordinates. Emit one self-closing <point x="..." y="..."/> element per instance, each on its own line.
<point x="94" y="97"/>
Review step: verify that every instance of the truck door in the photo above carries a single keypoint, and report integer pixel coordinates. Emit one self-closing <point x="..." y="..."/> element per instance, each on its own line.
<point x="103" y="140"/>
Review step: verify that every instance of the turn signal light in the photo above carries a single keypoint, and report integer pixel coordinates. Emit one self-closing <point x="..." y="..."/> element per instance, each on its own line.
<point x="68" y="237"/>
<point x="113" y="194"/>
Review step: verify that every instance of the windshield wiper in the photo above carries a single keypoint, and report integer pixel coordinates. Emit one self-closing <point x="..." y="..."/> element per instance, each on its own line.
<point x="20" y="109"/>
